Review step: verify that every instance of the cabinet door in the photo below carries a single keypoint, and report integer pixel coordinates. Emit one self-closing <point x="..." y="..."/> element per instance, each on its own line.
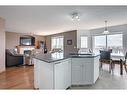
<point x="76" y="72"/>
<point x="45" y="75"/>
<point x="67" y="73"/>
<point x="59" y="75"/>
<point x="96" y="68"/>
<point x="63" y="74"/>
<point x="87" y="73"/>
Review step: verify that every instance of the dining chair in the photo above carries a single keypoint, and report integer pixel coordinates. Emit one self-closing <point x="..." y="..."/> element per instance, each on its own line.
<point x="123" y="62"/>
<point x="105" y="57"/>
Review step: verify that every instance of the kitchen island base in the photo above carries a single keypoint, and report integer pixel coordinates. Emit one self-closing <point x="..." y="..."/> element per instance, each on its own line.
<point x="66" y="72"/>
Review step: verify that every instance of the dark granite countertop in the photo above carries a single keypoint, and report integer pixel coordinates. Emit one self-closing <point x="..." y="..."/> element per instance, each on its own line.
<point x="53" y="57"/>
<point x="89" y="55"/>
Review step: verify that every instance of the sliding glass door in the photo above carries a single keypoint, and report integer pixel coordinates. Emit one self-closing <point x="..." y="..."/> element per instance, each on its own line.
<point x="114" y="42"/>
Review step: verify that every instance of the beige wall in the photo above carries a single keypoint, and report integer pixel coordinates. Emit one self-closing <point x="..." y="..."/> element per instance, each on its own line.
<point x="13" y="39"/>
<point x="69" y="35"/>
<point x="2" y="45"/>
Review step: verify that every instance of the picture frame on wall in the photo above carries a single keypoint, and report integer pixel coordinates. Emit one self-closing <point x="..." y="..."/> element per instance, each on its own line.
<point x="69" y="42"/>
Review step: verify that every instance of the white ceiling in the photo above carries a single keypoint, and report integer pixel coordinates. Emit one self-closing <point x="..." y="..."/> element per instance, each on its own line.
<point x="45" y="20"/>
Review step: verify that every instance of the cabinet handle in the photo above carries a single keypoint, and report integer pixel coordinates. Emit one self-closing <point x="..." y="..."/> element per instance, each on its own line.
<point x="58" y="63"/>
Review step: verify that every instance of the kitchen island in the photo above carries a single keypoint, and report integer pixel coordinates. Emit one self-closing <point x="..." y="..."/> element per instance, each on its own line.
<point x="56" y="71"/>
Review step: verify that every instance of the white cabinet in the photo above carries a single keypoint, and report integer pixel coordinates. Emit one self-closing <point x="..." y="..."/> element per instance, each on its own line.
<point x="55" y="75"/>
<point x="59" y="75"/>
<point x="76" y="72"/>
<point x="87" y="73"/>
<point x="63" y="74"/>
<point x="43" y="75"/>
<point x="96" y="68"/>
<point x="68" y="73"/>
<point x="85" y="70"/>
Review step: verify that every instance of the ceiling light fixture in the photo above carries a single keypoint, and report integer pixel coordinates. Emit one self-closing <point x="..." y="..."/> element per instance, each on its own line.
<point x="106" y="32"/>
<point x="75" y="16"/>
<point x="106" y="29"/>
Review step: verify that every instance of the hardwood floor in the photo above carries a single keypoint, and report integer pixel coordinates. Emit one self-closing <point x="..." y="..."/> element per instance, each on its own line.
<point x="17" y="78"/>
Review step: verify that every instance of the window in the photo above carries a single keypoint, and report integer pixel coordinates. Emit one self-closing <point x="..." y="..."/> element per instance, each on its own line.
<point x="57" y="42"/>
<point x="99" y="43"/>
<point x="114" y="42"/>
<point x="84" y="42"/>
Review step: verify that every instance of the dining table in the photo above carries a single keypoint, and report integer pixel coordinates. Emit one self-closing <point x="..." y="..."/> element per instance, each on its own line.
<point x="116" y="60"/>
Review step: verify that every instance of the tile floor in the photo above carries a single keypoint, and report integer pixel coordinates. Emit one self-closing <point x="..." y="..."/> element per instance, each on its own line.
<point x="107" y="80"/>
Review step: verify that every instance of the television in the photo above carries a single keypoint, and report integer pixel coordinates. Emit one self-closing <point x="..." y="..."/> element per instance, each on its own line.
<point x="27" y="41"/>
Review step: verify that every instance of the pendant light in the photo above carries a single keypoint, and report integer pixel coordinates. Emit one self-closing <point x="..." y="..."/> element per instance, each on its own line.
<point x="106" y="29"/>
<point x="106" y="32"/>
